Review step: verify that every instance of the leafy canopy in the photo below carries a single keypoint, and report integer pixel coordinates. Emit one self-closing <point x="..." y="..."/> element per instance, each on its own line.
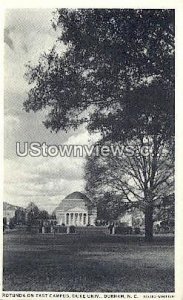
<point x="111" y="55"/>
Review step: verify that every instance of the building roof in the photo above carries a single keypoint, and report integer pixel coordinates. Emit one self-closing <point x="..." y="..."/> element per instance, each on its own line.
<point x="8" y="206"/>
<point x="73" y="200"/>
<point x="78" y="195"/>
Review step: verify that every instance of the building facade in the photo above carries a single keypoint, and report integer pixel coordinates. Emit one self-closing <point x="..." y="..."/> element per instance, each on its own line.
<point x="76" y="209"/>
<point x="133" y="218"/>
<point x="9" y="212"/>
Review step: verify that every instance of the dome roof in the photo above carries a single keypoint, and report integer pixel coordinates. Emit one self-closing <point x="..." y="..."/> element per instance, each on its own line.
<point x="76" y="197"/>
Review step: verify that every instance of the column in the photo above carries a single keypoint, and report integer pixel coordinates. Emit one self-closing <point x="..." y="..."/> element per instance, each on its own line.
<point x="72" y="218"/>
<point x="75" y="219"/>
<point x="80" y="219"/>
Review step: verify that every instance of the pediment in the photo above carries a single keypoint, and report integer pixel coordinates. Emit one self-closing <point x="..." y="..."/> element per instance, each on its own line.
<point x="77" y="209"/>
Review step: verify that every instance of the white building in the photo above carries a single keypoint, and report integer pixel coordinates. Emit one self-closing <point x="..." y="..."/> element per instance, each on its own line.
<point x="76" y="209"/>
<point x="133" y="218"/>
<point x="9" y="211"/>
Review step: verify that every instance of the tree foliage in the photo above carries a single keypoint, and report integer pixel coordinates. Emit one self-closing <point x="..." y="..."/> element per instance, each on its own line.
<point x="108" y="53"/>
<point x="109" y="205"/>
<point x="34" y="215"/>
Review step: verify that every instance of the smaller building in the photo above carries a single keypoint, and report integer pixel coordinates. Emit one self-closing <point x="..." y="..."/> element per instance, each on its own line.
<point x="126" y="219"/>
<point x="9" y="212"/>
<point x="133" y="218"/>
<point x="76" y="209"/>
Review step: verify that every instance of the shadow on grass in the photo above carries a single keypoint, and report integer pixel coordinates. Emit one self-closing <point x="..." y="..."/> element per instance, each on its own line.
<point x="88" y="263"/>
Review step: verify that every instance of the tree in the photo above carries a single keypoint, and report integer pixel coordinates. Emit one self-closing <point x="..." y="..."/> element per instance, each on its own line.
<point x="32" y="214"/>
<point x="43" y="215"/>
<point x="165" y="211"/>
<point x="134" y="179"/>
<point x="116" y="74"/>
<point x="20" y="216"/>
<point x="109" y="205"/>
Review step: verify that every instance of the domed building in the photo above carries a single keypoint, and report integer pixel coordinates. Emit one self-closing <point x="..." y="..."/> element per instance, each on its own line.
<point x="76" y="209"/>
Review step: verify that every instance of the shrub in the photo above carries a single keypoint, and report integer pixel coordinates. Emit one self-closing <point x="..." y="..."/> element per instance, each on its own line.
<point x="72" y="229"/>
<point x="60" y="229"/>
<point x="123" y="230"/>
<point x="137" y="230"/>
<point x="12" y="223"/>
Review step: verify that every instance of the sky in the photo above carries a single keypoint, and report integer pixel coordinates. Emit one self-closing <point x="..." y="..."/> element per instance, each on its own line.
<point x="45" y="181"/>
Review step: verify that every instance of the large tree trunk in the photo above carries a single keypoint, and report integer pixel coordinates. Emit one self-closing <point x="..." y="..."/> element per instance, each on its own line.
<point x="149" y="223"/>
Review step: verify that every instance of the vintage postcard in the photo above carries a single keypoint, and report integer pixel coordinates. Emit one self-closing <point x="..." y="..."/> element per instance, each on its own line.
<point x="90" y="203"/>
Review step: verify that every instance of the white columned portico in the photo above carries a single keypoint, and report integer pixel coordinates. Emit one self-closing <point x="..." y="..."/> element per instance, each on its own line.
<point x="76" y="217"/>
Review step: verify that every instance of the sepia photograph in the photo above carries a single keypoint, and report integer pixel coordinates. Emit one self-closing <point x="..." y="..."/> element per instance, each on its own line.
<point x="89" y="150"/>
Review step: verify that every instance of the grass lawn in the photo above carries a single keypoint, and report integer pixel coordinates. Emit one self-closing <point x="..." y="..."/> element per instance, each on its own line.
<point x="100" y="263"/>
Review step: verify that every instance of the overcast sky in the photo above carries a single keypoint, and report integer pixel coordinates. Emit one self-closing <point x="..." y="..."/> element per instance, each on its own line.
<point x="45" y="181"/>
